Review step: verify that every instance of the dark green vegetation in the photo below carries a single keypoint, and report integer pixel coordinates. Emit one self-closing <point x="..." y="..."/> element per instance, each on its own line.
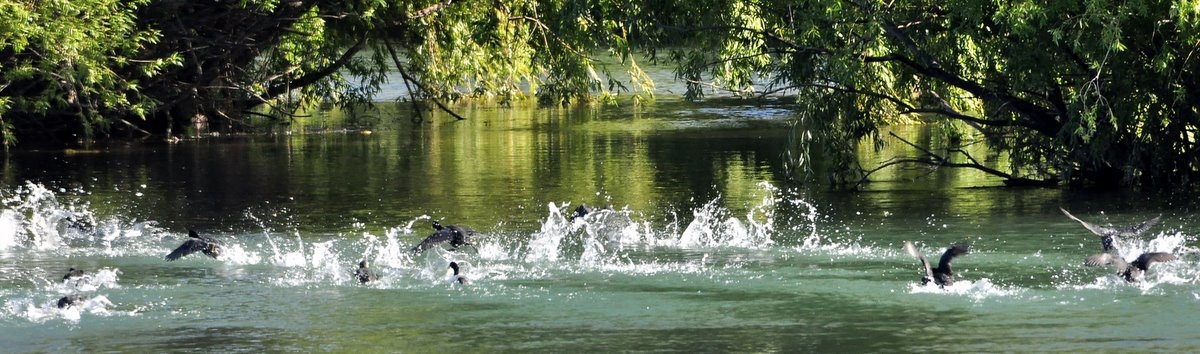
<point x="1097" y="92"/>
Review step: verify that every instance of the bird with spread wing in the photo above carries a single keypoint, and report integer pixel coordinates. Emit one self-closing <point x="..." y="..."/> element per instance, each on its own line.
<point x="196" y="243"/>
<point x="456" y="235"/>
<point x="942" y="275"/>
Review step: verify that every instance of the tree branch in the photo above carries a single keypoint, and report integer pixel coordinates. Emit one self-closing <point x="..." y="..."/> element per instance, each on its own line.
<point x="420" y="86"/>
<point x="1036" y="117"/>
<point x="931" y="159"/>
<point x="310" y="78"/>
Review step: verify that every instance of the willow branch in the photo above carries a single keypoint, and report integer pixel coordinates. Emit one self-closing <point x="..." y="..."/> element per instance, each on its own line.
<point x="420" y="86"/>
<point x="929" y="158"/>
<point x="1036" y="117"/>
<point x="313" y="77"/>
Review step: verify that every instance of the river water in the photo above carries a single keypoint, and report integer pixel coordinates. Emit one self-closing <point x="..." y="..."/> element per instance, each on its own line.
<point x="709" y="246"/>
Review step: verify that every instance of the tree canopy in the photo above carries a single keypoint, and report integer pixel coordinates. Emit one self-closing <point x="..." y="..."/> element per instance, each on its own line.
<point x="1099" y="92"/>
<point x="1091" y="91"/>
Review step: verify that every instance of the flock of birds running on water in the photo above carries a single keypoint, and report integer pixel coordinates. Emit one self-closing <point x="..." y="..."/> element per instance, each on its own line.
<point x="1109" y="238"/>
<point x="942" y="275"/>
<point x="456" y="236"/>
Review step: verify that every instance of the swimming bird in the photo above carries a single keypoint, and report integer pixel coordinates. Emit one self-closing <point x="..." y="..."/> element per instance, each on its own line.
<point x="73" y="273"/>
<point x="942" y="275"/>
<point x="1109" y="235"/>
<point x="363" y="273"/>
<point x="583" y="210"/>
<point x="456" y="235"/>
<point x="79" y="222"/>
<point x="195" y="243"/>
<point x="457" y="278"/>
<point x="70" y="300"/>
<point x="1131" y="272"/>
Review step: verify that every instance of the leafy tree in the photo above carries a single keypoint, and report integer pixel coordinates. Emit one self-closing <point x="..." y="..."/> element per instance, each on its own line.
<point x="1093" y="91"/>
<point x="74" y="70"/>
<point x="73" y="61"/>
<point x="1096" y="91"/>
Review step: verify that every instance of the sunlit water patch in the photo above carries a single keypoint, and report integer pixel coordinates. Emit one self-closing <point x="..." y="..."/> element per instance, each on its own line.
<point x="731" y="117"/>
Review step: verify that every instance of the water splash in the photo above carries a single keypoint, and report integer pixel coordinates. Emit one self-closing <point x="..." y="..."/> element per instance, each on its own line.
<point x="545" y="244"/>
<point x="598" y="237"/>
<point x="813" y="239"/>
<point x="118" y="238"/>
<point x="45" y="309"/>
<point x="89" y="281"/>
<point x="34" y="217"/>
<point x="322" y="264"/>
<point x="713" y="225"/>
<point x="392" y="252"/>
<point x="976" y="290"/>
<point x="1177" y="272"/>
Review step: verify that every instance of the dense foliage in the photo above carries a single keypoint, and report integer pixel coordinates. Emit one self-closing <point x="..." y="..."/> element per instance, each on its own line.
<point x="1094" y="91"/>
<point x="79" y="69"/>
<point x="1099" y="92"/>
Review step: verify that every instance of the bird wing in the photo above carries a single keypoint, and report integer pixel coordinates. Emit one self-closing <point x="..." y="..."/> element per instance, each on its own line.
<point x="912" y="251"/>
<point x="1138" y="229"/>
<point x="1102" y="259"/>
<point x="440" y="236"/>
<point x="1146" y="259"/>
<point x="188" y="247"/>
<point x="581" y="211"/>
<point x="953" y="251"/>
<point x="1095" y="229"/>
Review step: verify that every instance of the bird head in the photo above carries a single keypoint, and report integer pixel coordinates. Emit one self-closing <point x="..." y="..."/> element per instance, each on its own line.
<point x="1108" y="243"/>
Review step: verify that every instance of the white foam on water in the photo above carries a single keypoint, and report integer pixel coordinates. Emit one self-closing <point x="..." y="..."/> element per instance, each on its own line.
<point x="976" y="290"/>
<point x="104" y="278"/>
<point x="602" y="237"/>
<point x="653" y="267"/>
<point x="10" y="229"/>
<point x="315" y="263"/>
<point x="714" y="225"/>
<point x="236" y="254"/>
<point x="34" y="217"/>
<point x="493" y="251"/>
<point x="1178" y="272"/>
<point x="394" y="252"/>
<point x="45" y="309"/>
<point x="290" y="257"/>
<point x="545" y="244"/>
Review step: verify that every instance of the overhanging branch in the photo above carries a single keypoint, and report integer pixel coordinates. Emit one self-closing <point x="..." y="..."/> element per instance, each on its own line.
<point x="930" y="158"/>
<point x="420" y="86"/>
<point x="312" y="77"/>
<point x="1036" y="117"/>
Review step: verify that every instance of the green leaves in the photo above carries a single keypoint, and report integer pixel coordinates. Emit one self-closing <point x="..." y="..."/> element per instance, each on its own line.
<point x="67" y="55"/>
<point x="1063" y="86"/>
<point x="1080" y="83"/>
